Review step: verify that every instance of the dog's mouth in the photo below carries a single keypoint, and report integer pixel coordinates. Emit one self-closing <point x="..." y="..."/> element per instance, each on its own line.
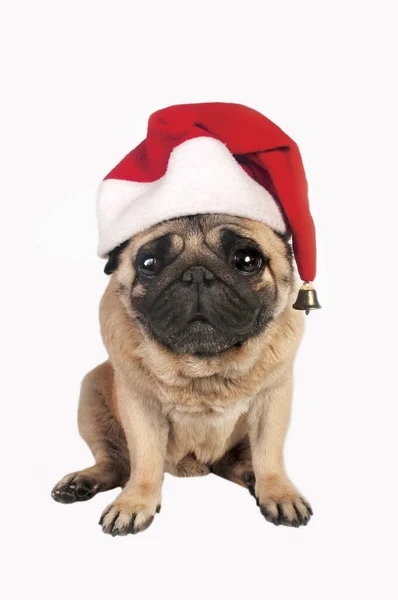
<point x="202" y="327"/>
<point x="199" y="317"/>
<point x="199" y="337"/>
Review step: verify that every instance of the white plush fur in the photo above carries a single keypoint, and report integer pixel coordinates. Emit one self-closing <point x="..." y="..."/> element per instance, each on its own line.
<point x="202" y="177"/>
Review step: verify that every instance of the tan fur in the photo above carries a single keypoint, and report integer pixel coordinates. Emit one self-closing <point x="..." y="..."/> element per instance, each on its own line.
<point x="162" y="411"/>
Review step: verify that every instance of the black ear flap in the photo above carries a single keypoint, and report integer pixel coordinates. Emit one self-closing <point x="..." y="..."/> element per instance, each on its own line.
<point x="114" y="258"/>
<point x="284" y="236"/>
<point x="286" y="239"/>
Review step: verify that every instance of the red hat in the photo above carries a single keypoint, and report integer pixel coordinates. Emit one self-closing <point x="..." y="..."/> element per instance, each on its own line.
<point x="210" y="158"/>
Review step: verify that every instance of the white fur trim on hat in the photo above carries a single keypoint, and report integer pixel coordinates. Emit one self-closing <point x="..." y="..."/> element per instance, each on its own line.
<point x="202" y="177"/>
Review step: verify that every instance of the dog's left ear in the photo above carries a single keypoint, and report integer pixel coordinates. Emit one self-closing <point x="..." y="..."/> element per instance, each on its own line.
<point x="114" y="258"/>
<point x="286" y="239"/>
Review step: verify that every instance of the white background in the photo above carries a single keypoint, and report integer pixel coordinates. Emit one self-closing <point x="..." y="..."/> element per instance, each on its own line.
<point x="79" y="79"/>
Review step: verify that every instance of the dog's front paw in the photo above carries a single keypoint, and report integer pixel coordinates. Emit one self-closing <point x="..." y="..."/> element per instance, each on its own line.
<point x="128" y="515"/>
<point x="281" y="503"/>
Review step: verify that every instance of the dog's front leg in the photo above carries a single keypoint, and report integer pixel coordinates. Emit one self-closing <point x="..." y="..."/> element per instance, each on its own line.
<point x="268" y="420"/>
<point x="146" y="432"/>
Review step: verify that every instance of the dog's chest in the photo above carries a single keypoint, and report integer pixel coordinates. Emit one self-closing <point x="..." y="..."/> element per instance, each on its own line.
<point x="207" y="417"/>
<point x="206" y="434"/>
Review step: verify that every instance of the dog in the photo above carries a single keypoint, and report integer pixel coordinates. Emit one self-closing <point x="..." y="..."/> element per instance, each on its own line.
<point x="198" y="322"/>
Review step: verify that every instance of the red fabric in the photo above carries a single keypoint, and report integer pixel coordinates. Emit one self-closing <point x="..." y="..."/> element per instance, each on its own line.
<point x="266" y="153"/>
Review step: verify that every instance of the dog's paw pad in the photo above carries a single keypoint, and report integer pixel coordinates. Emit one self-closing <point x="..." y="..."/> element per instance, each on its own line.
<point x="75" y="488"/>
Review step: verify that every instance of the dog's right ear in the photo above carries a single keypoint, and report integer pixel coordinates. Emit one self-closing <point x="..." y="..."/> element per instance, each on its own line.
<point x="114" y="258"/>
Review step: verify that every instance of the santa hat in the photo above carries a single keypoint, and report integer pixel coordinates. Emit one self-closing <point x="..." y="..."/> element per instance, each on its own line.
<point x="210" y="158"/>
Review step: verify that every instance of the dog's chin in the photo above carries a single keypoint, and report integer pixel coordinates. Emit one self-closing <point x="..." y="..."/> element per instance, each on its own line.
<point x="200" y="338"/>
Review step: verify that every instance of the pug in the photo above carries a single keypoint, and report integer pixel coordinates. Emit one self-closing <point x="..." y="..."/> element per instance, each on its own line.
<point x="198" y="322"/>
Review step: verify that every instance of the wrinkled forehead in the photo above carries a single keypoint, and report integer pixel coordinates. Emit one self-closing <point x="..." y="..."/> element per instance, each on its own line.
<point x="193" y="232"/>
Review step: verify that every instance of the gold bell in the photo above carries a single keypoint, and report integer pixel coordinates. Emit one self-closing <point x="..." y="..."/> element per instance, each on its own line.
<point x="306" y="299"/>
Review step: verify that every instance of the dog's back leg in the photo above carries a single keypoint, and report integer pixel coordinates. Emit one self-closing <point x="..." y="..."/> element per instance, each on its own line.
<point x="188" y="466"/>
<point x="236" y="465"/>
<point x="99" y="427"/>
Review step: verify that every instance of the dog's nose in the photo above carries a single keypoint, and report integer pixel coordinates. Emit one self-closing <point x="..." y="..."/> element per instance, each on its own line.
<point x="198" y="275"/>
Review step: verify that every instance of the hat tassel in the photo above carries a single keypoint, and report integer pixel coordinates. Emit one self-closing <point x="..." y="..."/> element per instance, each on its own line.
<point x="306" y="299"/>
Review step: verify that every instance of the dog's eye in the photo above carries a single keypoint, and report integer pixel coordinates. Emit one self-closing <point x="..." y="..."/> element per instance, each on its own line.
<point x="247" y="260"/>
<point x="148" y="266"/>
